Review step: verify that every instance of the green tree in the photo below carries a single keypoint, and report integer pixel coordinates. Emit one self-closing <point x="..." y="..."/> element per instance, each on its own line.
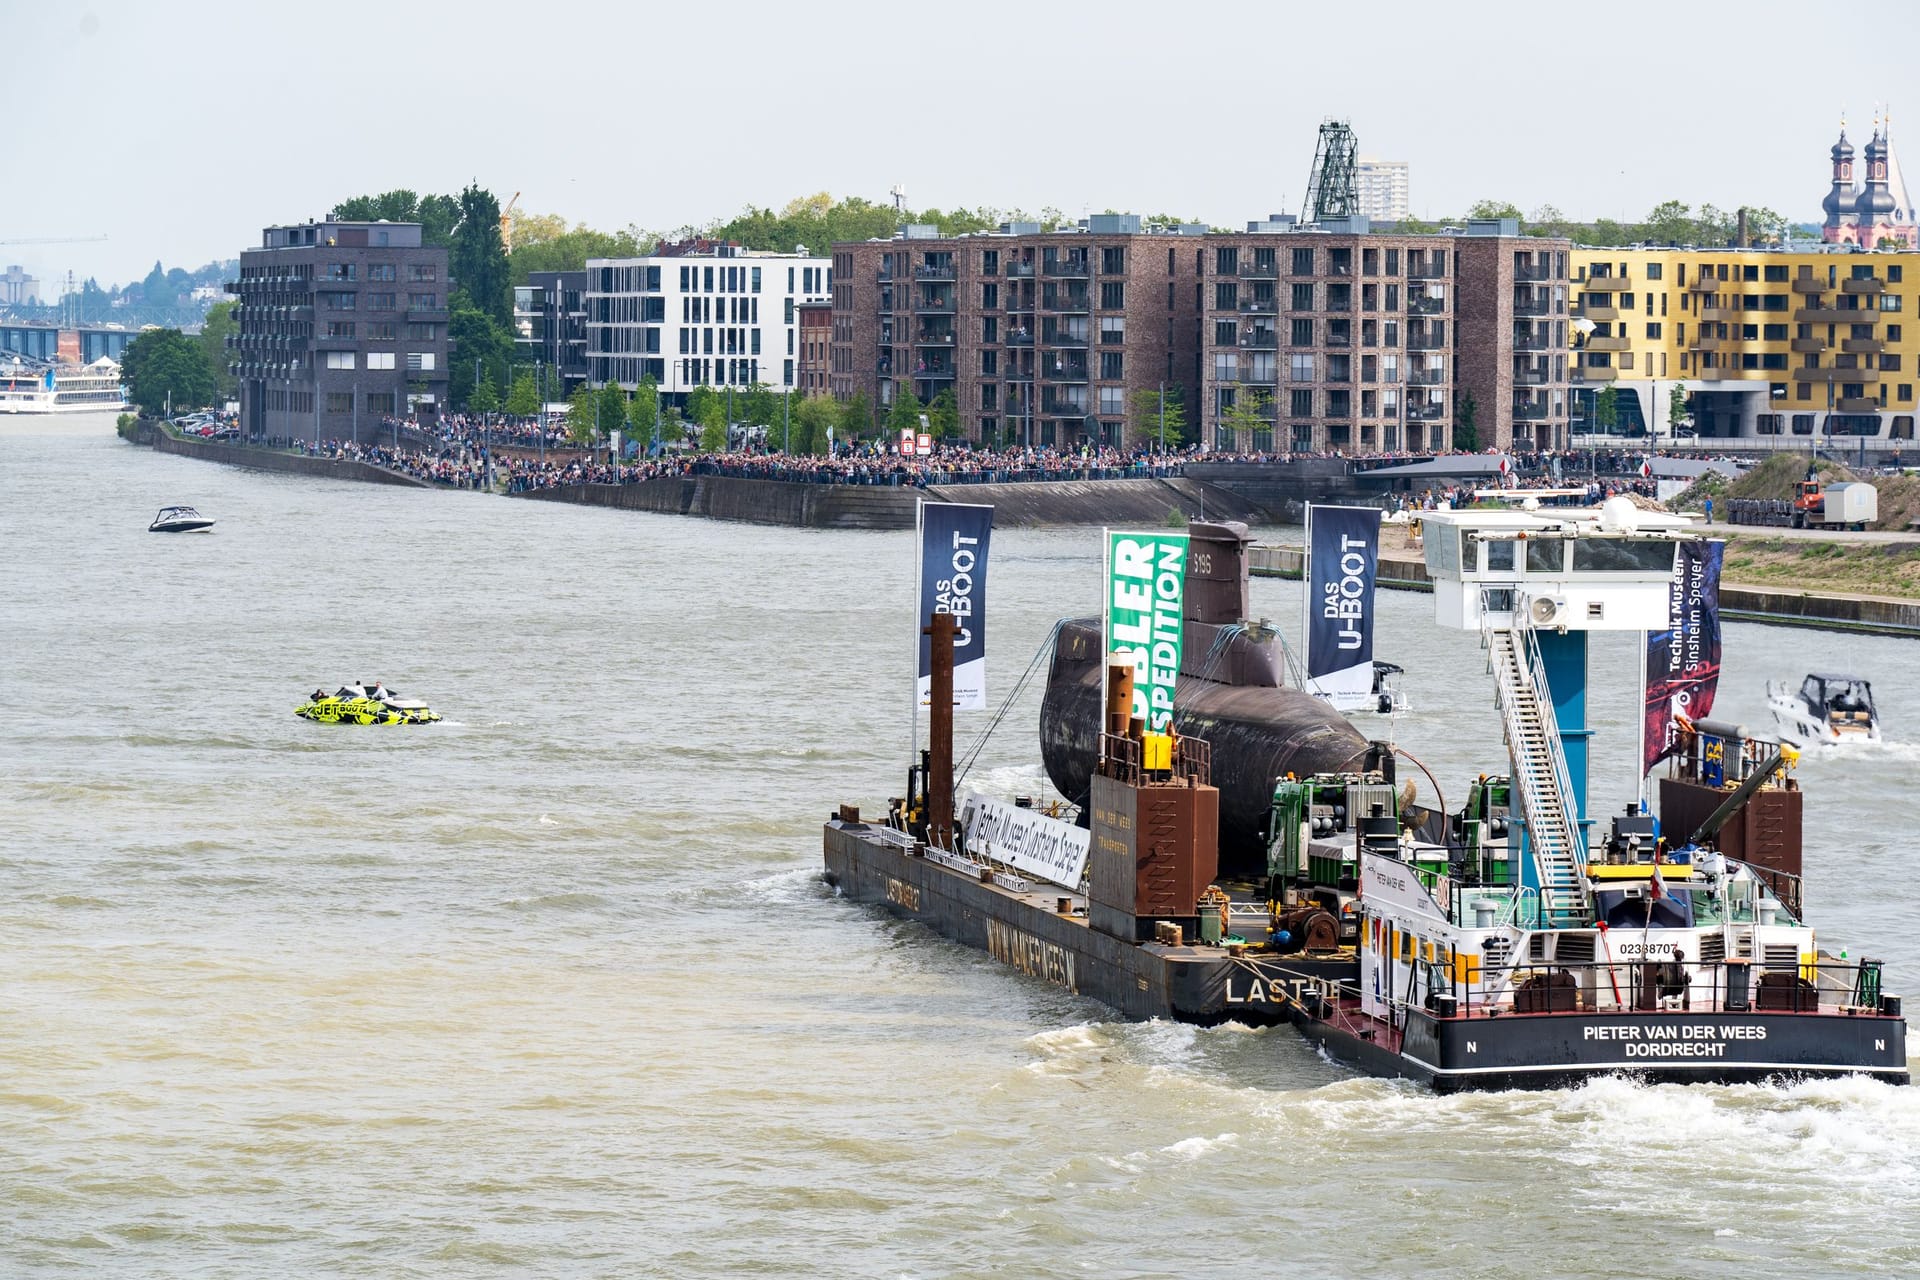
<point x="1678" y="415"/>
<point x="1493" y="209"/>
<point x="611" y="414"/>
<point x="214" y="331"/>
<point x="476" y="336"/>
<point x="856" y="417"/>
<point x="812" y="416"/>
<point x="943" y="413"/>
<point x="543" y="242"/>
<point x="164" y="367"/>
<point x="523" y="401"/>
<point x="1606" y="408"/>
<point x="484" y="399"/>
<point x="1466" y="432"/>
<point x="158" y="290"/>
<point x="712" y="419"/>
<point x="698" y="401"/>
<point x="1148" y="425"/>
<point x="581" y="407"/>
<point x="477" y="258"/>
<point x="758" y="406"/>
<point x="905" y="413"/>
<point x="1671" y="222"/>
<point x="643" y="411"/>
<point x="437" y="215"/>
<point x="1247" y="417"/>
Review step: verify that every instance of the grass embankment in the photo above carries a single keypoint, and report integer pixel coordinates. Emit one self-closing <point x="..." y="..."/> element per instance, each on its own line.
<point x="1813" y="564"/>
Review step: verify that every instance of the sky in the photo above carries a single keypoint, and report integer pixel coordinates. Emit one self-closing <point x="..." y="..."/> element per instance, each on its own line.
<point x="178" y="130"/>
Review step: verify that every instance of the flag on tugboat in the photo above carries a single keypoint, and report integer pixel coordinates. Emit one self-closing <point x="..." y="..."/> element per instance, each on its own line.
<point x="1683" y="661"/>
<point x="1656" y="887"/>
<point x="953" y="579"/>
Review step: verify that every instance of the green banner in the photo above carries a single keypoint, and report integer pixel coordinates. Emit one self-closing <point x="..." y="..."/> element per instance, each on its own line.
<point x="1146" y="580"/>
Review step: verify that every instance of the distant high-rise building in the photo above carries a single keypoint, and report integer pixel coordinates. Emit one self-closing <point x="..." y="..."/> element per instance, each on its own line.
<point x="1383" y="189"/>
<point x="17" y="288"/>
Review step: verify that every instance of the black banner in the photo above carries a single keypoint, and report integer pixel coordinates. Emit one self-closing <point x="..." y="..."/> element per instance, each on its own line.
<point x="953" y="579"/>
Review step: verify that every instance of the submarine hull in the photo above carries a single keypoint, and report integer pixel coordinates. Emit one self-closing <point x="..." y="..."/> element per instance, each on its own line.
<point x="1258" y="734"/>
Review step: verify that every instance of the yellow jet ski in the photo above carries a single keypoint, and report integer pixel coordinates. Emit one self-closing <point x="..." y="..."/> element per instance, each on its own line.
<point x="364" y="704"/>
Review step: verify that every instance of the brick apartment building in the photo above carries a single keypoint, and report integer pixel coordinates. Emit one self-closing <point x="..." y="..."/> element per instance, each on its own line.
<point x="340" y="324"/>
<point x="816" y="336"/>
<point x="1332" y="338"/>
<point x="1046" y="337"/>
<point x="1328" y="337"/>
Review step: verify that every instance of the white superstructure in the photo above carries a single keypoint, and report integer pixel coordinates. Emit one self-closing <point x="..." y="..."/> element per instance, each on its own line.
<point x="33" y="387"/>
<point x="700" y="314"/>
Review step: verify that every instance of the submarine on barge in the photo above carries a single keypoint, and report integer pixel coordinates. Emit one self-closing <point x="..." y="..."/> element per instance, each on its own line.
<point x="1231" y="694"/>
<point x="1510" y="954"/>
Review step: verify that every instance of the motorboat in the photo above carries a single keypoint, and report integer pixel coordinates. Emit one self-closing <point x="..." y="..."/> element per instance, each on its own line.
<point x="371" y="703"/>
<point x="180" y="520"/>
<point x="1828" y="710"/>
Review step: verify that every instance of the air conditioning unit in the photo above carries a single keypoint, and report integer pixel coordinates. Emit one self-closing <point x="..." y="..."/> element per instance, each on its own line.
<point x="1547" y="611"/>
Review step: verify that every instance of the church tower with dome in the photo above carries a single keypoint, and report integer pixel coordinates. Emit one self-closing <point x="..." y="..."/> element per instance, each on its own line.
<point x="1878" y="210"/>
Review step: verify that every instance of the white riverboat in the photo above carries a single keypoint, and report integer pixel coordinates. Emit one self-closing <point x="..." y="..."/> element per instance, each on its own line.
<point x="35" y="387"/>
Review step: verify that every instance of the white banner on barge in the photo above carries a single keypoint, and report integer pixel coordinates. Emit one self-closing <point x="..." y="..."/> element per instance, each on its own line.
<point x="1025" y="840"/>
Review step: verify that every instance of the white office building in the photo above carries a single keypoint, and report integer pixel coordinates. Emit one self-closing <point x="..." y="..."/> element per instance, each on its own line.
<point x="1383" y="189"/>
<point x="700" y="313"/>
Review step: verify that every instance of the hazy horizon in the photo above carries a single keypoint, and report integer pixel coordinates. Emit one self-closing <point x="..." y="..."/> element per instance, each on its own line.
<point x="242" y="118"/>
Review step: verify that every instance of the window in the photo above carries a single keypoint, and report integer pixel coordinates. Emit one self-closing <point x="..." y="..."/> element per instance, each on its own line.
<point x="1113" y="261"/>
<point x="1301" y="367"/>
<point x="340" y="360"/>
<point x="1226" y="296"/>
<point x="1893" y="333"/>
<point x="338" y="271"/>
<point x="1902" y="427"/>
<point x="1548" y="555"/>
<point x="419" y="362"/>
<point x="379" y="359"/>
<point x="1301" y="332"/>
<point x="1803" y="422"/>
<point x="382" y="331"/>
<point x="423" y="302"/>
<point x="756" y="284"/>
<point x="1226" y="261"/>
<point x="1653" y="270"/>
<point x="1904" y="393"/>
<point x="339" y="329"/>
<point x="1303" y="297"/>
<point x="1113" y="295"/>
<point x="379" y="402"/>
<point x="1225" y="333"/>
<point x="1113" y="400"/>
<point x="1624" y="555"/>
<point x="1769" y="424"/>
<point x="339" y="402"/>
<point x="340" y="301"/>
<point x="1302" y="262"/>
<point x="423" y="332"/>
<point x="1889" y="302"/>
<point x="380" y="302"/>
<point x="1774" y="332"/>
<point x="381" y="272"/>
<point x="1370" y="262"/>
<point x="1893" y="275"/>
<point x="1113" y="364"/>
<point x="1653" y="328"/>
<point x="1499" y="556"/>
<point x="1301" y="402"/>
<point x="990" y="262"/>
<point x="1113" y="330"/>
<point x="422" y="273"/>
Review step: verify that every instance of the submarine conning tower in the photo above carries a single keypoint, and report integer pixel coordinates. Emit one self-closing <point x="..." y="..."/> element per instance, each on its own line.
<point x="1155" y="817"/>
<point x="1216" y="576"/>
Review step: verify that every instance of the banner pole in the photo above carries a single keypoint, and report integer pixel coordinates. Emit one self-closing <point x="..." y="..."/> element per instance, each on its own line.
<point x="1640" y="761"/>
<point x="913" y="684"/>
<point x="1306" y="605"/>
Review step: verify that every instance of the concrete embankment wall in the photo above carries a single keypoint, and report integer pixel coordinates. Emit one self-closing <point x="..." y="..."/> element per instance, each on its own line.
<point x="1281" y="490"/>
<point x="844" y="506"/>
<point x="1876" y="615"/>
<point x="240" y="455"/>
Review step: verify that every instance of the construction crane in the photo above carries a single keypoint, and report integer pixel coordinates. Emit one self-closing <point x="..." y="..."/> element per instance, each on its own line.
<point x="56" y="240"/>
<point x="506" y="223"/>
<point x="1333" y="189"/>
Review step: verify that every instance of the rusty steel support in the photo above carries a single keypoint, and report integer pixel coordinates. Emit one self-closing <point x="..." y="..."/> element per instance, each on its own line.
<point x="940" y="734"/>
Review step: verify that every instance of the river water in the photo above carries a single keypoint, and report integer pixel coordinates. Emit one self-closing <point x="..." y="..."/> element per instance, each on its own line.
<point x="553" y="988"/>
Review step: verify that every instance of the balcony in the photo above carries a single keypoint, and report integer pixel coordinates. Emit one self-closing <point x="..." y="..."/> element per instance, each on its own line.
<point x="1062" y="409"/>
<point x="1426" y="342"/>
<point x="1810" y="284"/>
<point x="1605" y="284"/>
<point x="1260" y="271"/>
<point x="1597" y="373"/>
<point x="1531" y="377"/>
<point x="1599" y="313"/>
<point x="1066" y="341"/>
<point x="1426" y="412"/>
<point x="884" y="368"/>
<point x="1257" y="377"/>
<point x="1533" y="342"/>
<point x="1698" y="344"/>
<point x="933" y="273"/>
<point x="1065" y="267"/>
<point x="1857" y="404"/>
<point x="1019" y="339"/>
<point x="933" y="339"/>
<point x="1531" y="411"/>
<point x="1719" y="315"/>
<point x="1064" y="372"/>
<point x="934" y="303"/>
<point x="942" y="372"/>
<point x="1807" y="346"/>
<point x="1069" y="303"/>
<point x="1019" y="270"/>
<point x="1530" y="274"/>
<point x="1598" y="343"/>
<point x="1266" y="308"/>
<point x="1832" y="315"/>
<point x="426" y="313"/>
<point x="1419" y="306"/>
<point x="1836" y="375"/>
<point x="1261" y="340"/>
<point x="1019" y="306"/>
<point x="1867" y="284"/>
<point x="1703" y="284"/>
<point x="1425" y="271"/>
<point x="1426" y="377"/>
<point x="1863" y="346"/>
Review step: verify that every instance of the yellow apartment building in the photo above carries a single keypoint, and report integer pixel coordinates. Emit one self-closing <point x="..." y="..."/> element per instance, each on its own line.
<point x="1774" y="348"/>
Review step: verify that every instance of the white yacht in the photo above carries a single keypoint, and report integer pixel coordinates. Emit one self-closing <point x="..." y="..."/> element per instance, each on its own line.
<point x="1827" y="710"/>
<point x="180" y="520"/>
